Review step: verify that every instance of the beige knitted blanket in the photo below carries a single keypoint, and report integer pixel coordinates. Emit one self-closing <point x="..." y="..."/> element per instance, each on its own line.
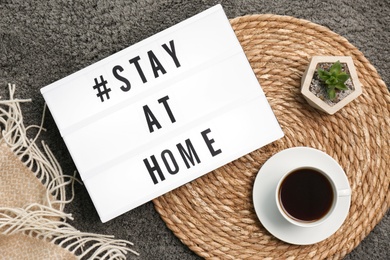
<point x="33" y="224"/>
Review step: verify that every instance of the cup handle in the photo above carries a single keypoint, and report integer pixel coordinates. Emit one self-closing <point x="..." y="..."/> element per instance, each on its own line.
<point x="344" y="193"/>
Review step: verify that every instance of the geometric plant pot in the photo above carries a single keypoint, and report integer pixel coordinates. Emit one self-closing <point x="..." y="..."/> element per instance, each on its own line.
<point x="320" y="101"/>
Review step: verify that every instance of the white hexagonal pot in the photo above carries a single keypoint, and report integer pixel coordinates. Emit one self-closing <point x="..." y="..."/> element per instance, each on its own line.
<point x="322" y="104"/>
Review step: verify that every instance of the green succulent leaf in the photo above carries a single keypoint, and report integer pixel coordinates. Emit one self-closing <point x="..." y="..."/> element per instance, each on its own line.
<point x="331" y="93"/>
<point x="341" y="86"/>
<point x="343" y="77"/>
<point x="335" y="68"/>
<point x="323" y="74"/>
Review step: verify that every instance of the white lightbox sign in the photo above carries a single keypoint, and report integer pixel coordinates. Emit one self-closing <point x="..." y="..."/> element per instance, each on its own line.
<point x="161" y="113"/>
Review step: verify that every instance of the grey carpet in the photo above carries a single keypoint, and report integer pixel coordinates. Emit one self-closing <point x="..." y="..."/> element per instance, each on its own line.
<point x="43" y="41"/>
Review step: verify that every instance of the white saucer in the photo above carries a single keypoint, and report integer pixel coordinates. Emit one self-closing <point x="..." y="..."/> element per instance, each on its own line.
<point x="264" y="195"/>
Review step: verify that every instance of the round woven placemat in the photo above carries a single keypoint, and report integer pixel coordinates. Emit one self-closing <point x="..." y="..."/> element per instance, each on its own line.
<point x="214" y="215"/>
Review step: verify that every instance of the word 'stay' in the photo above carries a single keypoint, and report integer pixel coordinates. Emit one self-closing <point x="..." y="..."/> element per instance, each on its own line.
<point x="124" y="76"/>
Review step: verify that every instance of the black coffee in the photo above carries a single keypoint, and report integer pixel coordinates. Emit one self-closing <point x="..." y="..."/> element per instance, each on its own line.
<point x="306" y="195"/>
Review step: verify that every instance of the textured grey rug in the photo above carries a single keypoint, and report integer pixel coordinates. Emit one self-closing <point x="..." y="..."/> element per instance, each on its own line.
<point x="43" y="41"/>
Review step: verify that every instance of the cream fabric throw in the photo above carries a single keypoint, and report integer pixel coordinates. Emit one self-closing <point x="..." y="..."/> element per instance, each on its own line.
<point x="33" y="224"/>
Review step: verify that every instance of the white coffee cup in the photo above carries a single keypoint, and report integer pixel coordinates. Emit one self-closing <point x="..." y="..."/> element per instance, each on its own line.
<point x="306" y="196"/>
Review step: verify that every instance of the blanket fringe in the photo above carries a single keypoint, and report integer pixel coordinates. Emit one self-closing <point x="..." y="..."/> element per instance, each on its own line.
<point x="45" y="221"/>
<point x="37" y="220"/>
<point x="44" y="165"/>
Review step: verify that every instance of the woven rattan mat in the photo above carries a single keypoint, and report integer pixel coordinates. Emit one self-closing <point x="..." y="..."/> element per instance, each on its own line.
<point x="214" y="215"/>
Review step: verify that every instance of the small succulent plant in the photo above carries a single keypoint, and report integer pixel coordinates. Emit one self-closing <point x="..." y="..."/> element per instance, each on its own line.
<point x="334" y="79"/>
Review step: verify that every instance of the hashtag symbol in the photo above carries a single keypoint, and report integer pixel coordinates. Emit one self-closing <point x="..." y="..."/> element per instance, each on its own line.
<point x="102" y="88"/>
